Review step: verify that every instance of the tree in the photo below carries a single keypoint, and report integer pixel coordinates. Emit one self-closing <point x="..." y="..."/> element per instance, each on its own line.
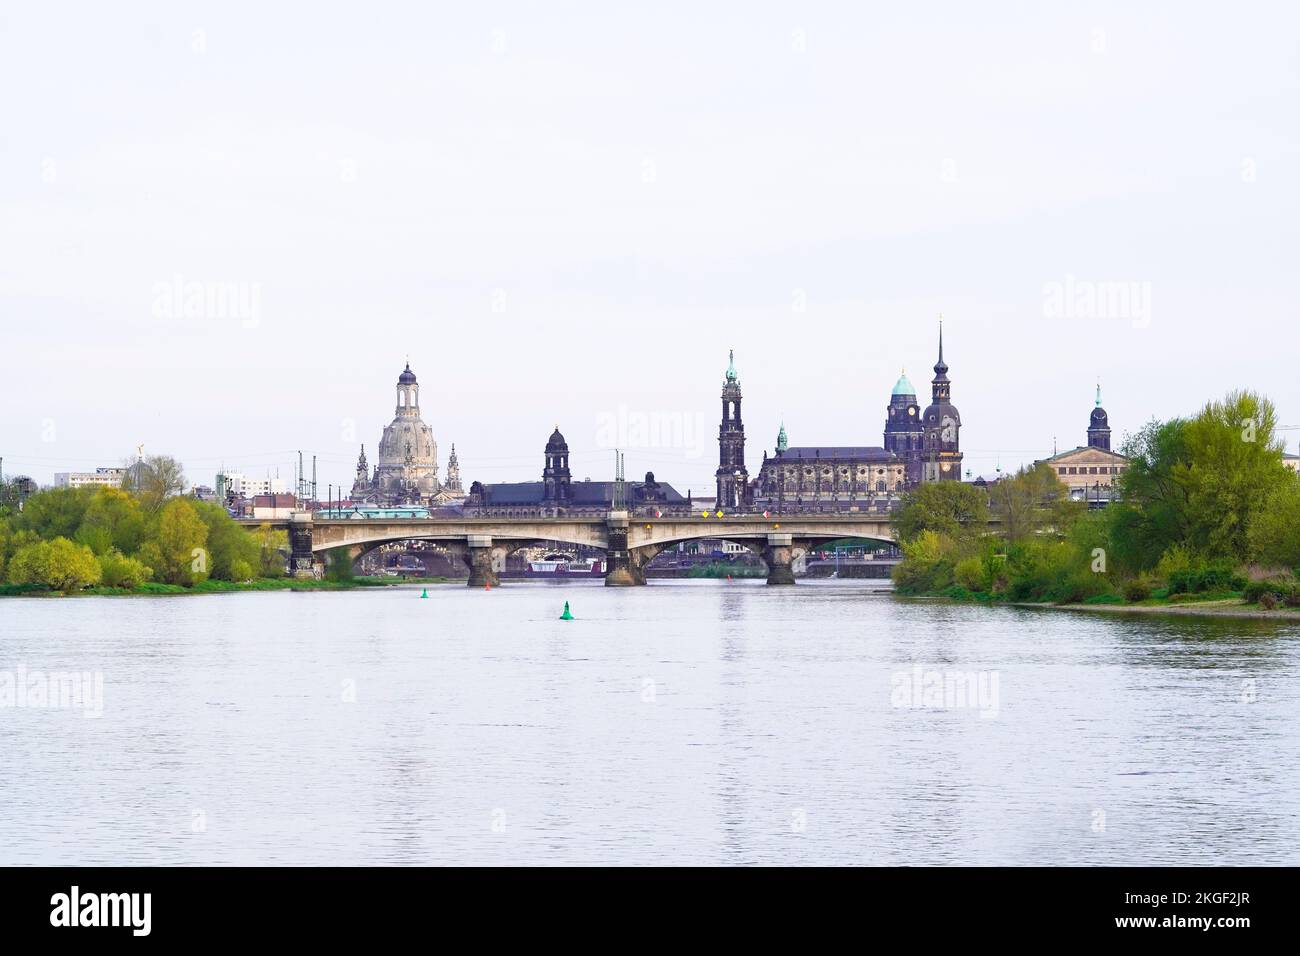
<point x="113" y="520"/>
<point x="272" y="546"/>
<point x="154" y="480"/>
<point x="952" y="509"/>
<point x="55" y="512"/>
<point x="1198" y="482"/>
<point x="176" y="549"/>
<point x="1273" y="535"/>
<point x="59" y="564"/>
<point x="1033" y="501"/>
<point x="1233" y="465"/>
<point x="228" y="544"/>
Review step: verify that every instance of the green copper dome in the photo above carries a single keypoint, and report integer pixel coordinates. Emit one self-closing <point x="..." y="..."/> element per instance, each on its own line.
<point x="903" y="386"/>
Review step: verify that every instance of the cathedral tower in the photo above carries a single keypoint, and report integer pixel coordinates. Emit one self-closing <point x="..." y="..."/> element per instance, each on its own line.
<point x="941" y="446"/>
<point x="733" y="478"/>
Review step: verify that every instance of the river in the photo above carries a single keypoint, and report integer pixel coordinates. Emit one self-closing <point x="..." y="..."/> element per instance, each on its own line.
<point x="687" y="722"/>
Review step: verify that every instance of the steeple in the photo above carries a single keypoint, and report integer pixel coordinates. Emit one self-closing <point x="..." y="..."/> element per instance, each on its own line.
<point x="453" y="471"/>
<point x="1099" y="425"/>
<point x="731" y="365"/>
<point x="941" y="448"/>
<point x="782" y="443"/>
<point x="941" y="367"/>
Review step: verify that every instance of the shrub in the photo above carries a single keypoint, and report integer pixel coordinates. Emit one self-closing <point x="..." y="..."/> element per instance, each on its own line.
<point x="1137" y="589"/>
<point x="59" y="564"/>
<point x="971" y="574"/>
<point x="119" y="571"/>
<point x="1268" y="600"/>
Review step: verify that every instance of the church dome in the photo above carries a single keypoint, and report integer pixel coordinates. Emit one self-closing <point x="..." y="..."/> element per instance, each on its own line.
<point x="557" y="442"/>
<point x="903" y="386"/>
<point x="407" y="377"/>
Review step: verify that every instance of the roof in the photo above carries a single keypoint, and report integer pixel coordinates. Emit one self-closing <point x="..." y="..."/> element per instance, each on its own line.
<point x="835" y="452"/>
<point x="1093" y="448"/>
<point x="903" y="386"/>
<point x="581" y="492"/>
<point x="407" y="377"/>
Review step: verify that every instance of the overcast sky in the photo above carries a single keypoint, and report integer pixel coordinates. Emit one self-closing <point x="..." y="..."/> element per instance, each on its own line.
<point x="566" y="214"/>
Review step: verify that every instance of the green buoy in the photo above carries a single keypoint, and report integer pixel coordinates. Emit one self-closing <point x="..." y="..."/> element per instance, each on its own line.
<point x="424" y="593"/>
<point x="566" y="616"/>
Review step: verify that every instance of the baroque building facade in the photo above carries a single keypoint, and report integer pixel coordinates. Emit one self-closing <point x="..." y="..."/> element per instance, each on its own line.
<point x="406" y="471"/>
<point x="918" y="446"/>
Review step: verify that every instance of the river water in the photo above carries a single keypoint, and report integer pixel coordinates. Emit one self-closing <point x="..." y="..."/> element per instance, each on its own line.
<point x="688" y="722"/>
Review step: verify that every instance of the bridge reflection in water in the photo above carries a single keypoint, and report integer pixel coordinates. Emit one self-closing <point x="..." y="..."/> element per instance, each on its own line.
<point x="630" y="542"/>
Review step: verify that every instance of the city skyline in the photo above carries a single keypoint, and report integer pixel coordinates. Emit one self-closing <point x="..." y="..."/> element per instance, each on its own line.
<point x="685" y="437"/>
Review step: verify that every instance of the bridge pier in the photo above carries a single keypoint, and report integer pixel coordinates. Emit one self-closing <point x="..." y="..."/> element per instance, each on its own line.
<point x="478" y="557"/>
<point x="622" y="569"/>
<point x="779" y="557"/>
<point x="301" y="559"/>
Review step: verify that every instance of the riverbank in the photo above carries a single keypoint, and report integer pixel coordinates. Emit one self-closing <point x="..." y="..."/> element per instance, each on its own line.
<point x="1229" y="604"/>
<point x="152" y="589"/>
<point x="1227" y="607"/>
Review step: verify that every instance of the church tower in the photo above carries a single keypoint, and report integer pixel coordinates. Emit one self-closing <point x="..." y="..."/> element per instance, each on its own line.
<point x="453" y="472"/>
<point x="1099" y="425"/>
<point x="555" y="476"/>
<point x="904" y="435"/>
<point x="733" y="478"/>
<point x="362" y="483"/>
<point x="941" y="446"/>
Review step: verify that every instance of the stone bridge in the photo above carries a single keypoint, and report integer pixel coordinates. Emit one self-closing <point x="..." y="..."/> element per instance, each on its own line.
<point x="630" y="542"/>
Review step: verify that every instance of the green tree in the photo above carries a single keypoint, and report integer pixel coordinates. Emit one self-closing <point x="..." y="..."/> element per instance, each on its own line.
<point x="119" y="571"/>
<point x="272" y="547"/>
<point x="1234" y="464"/>
<point x="176" y="550"/>
<point x="952" y="509"/>
<point x="228" y="543"/>
<point x="55" y="512"/>
<point x="1273" y="534"/>
<point x="59" y="564"/>
<point x="1198" y="482"/>
<point x="113" y="520"/>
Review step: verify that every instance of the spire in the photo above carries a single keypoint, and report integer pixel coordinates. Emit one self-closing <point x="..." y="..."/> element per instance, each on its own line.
<point x="782" y="443"/>
<point x="940" y="367"/>
<point x="731" y="365"/>
<point x="1099" y="393"/>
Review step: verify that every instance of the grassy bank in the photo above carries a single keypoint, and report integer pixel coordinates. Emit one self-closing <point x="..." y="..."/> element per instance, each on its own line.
<point x="721" y="569"/>
<point x="1208" y="604"/>
<point x="211" y="586"/>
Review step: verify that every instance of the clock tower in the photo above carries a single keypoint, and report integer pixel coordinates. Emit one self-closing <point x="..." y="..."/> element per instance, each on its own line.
<point x="904" y="435"/>
<point x="941" y="424"/>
